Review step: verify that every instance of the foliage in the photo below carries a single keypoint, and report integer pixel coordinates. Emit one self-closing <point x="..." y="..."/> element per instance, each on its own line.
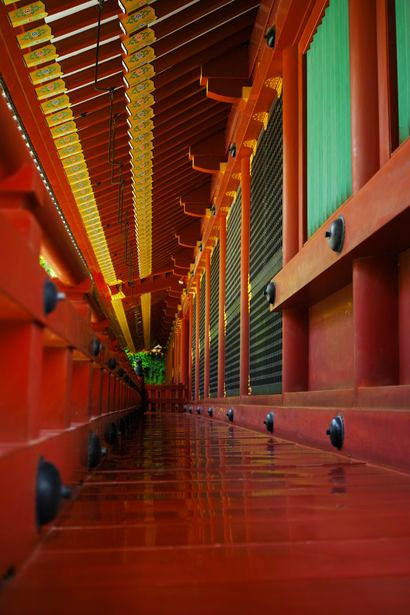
<point x="47" y="268"/>
<point x="153" y="365"/>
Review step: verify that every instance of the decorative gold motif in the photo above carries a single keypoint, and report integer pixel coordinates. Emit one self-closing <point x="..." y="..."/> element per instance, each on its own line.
<point x="41" y="75"/>
<point x="275" y="83"/>
<point x="55" y="104"/>
<point x="139" y="40"/>
<point x="33" y="37"/>
<point x="63" y="129"/>
<point x="51" y="89"/>
<point x="39" y="56"/>
<point x="135" y="21"/>
<point x="58" y="118"/>
<point x="27" y="14"/>
<point x="262" y="117"/>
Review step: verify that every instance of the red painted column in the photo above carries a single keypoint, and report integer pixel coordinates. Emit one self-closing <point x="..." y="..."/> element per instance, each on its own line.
<point x="386" y="63"/>
<point x="363" y="91"/>
<point x="184" y="351"/>
<point x="221" y="306"/>
<point x="375" y="319"/>
<point x="190" y="324"/>
<point x="207" y="320"/>
<point x="290" y="154"/>
<point x="294" y="321"/>
<point x="81" y="391"/>
<point x="404" y="317"/>
<point x="245" y="237"/>
<point x="197" y="371"/>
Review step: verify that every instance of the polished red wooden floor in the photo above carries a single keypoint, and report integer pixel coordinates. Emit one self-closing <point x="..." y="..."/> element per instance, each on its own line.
<point x="192" y="516"/>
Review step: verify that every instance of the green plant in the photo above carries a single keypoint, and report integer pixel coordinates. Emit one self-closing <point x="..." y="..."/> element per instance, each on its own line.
<point x="47" y="268"/>
<point x="153" y="365"/>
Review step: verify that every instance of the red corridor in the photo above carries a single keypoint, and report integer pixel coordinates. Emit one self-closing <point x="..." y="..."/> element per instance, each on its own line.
<point x="188" y="515"/>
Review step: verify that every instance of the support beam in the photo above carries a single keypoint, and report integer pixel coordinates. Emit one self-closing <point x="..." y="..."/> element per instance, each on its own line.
<point x="245" y="239"/>
<point x="363" y="91"/>
<point x="221" y="306"/>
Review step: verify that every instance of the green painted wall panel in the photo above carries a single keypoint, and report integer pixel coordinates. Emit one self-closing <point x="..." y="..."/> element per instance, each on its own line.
<point x="403" y="66"/>
<point x="329" y="169"/>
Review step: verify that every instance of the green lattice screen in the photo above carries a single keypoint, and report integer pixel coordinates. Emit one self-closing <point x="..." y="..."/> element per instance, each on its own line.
<point x="329" y="168"/>
<point x="403" y="66"/>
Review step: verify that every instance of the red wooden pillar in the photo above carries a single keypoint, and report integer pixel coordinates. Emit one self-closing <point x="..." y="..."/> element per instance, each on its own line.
<point x="184" y="351"/>
<point x="386" y="78"/>
<point x="404" y="316"/>
<point x="375" y="278"/>
<point x="56" y="387"/>
<point x="294" y="321"/>
<point x="221" y="306"/>
<point x="363" y="90"/>
<point x="190" y="324"/>
<point x="375" y="313"/>
<point x="81" y="391"/>
<point x="20" y="380"/>
<point x="198" y="298"/>
<point x="290" y="154"/>
<point x="207" y="319"/>
<point x="245" y="237"/>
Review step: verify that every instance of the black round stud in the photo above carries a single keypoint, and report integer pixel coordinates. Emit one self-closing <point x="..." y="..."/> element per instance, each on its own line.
<point x="210" y="411"/>
<point x="139" y="370"/>
<point x="270" y="422"/>
<point x="95" y="346"/>
<point x="112" y="363"/>
<point x="213" y="209"/>
<point x="336" y="234"/>
<point x="270" y="293"/>
<point x="229" y="414"/>
<point x="51" y="296"/>
<point x="190" y="409"/>
<point x="270" y="37"/>
<point x="95" y="452"/>
<point x="121" y="372"/>
<point x="111" y="433"/>
<point x="336" y="432"/>
<point x="49" y="492"/>
<point x="232" y="150"/>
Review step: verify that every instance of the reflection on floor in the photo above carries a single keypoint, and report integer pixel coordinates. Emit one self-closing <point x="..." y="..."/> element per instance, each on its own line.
<point x="191" y="516"/>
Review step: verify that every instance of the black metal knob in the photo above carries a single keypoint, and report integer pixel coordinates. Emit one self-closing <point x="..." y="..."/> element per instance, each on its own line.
<point x="51" y="296"/>
<point x="198" y="409"/>
<point x="121" y="372"/>
<point x="190" y="409"/>
<point x="95" y="452"/>
<point x="230" y="414"/>
<point x="49" y="492"/>
<point x="111" y="433"/>
<point x="139" y="370"/>
<point x="336" y="234"/>
<point x="210" y="411"/>
<point x="112" y="363"/>
<point x="95" y="346"/>
<point x="270" y="293"/>
<point x="269" y="421"/>
<point x="336" y="432"/>
<point x="232" y="150"/>
<point x="270" y="37"/>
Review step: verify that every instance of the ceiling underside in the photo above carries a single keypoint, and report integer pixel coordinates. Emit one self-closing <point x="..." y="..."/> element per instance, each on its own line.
<point x="196" y="60"/>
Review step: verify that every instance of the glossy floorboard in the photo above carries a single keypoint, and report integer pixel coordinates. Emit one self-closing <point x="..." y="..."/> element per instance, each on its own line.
<point x="191" y="516"/>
